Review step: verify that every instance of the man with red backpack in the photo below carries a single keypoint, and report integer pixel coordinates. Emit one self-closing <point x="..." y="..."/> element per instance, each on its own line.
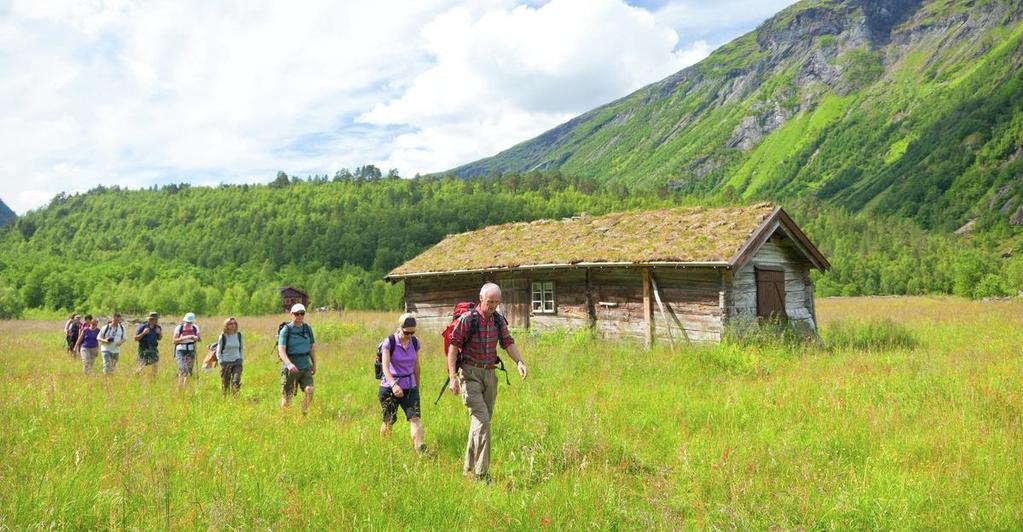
<point x="472" y="359"/>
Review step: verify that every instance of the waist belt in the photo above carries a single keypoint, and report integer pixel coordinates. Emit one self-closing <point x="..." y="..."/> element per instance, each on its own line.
<point x="186" y="347"/>
<point x="290" y="355"/>
<point x="478" y="365"/>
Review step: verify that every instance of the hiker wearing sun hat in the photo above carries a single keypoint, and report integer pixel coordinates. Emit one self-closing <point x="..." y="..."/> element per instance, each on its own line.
<point x="186" y="338"/>
<point x="148" y="336"/>
<point x="296" y="348"/>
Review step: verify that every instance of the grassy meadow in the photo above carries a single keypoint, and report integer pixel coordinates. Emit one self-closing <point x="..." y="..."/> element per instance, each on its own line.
<point x="908" y="417"/>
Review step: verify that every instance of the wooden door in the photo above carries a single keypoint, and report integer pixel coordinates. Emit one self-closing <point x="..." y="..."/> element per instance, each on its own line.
<point x="515" y="302"/>
<point x="771" y="294"/>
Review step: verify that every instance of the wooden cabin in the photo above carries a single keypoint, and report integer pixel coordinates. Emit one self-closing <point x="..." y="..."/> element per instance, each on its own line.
<point x="677" y="275"/>
<point x="290" y="296"/>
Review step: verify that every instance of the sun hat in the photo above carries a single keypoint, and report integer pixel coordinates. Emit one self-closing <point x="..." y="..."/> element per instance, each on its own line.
<point x="153" y="315"/>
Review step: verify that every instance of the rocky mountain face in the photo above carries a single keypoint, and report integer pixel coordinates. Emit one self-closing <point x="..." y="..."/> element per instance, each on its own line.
<point x="906" y="107"/>
<point x="6" y="214"/>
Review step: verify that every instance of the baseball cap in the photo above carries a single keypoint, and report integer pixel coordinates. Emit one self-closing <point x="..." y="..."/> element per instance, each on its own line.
<point x="189" y="318"/>
<point x="153" y="315"/>
<point x="297" y="307"/>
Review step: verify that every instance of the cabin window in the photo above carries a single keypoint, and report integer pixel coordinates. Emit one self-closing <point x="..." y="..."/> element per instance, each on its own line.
<point x="543" y="297"/>
<point x="770" y="293"/>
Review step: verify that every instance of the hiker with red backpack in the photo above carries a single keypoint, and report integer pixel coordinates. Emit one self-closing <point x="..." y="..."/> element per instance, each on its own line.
<point x="472" y="359"/>
<point x="399" y="380"/>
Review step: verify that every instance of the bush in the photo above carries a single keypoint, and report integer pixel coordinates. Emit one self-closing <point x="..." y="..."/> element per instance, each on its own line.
<point x="874" y="335"/>
<point x="11" y="306"/>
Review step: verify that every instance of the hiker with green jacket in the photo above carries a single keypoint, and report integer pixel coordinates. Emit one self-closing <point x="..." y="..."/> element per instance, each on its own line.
<point x="296" y="347"/>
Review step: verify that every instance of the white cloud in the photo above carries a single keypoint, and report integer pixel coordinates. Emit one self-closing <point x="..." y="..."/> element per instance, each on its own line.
<point x="133" y="92"/>
<point x="509" y="74"/>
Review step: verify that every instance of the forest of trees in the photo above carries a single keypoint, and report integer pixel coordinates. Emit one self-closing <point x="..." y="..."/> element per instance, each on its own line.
<point x="226" y="249"/>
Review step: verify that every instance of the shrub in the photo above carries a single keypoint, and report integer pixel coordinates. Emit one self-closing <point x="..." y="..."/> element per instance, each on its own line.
<point x="11" y="306"/>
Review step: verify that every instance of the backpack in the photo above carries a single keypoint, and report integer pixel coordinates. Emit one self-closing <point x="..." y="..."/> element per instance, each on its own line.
<point x="211" y="350"/>
<point x="105" y="331"/>
<point x="474" y="326"/>
<point x="392" y="342"/>
<point x="180" y="328"/>
<point x="287" y="335"/>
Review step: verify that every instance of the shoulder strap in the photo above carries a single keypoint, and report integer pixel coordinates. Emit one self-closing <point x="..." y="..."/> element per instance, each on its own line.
<point x="239" y="340"/>
<point x="415" y="343"/>
<point x="177" y="330"/>
<point x="222" y="341"/>
<point x="391" y="343"/>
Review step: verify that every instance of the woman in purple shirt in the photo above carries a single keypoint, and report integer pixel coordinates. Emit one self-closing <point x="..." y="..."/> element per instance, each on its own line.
<point x="400" y="384"/>
<point x="88" y="343"/>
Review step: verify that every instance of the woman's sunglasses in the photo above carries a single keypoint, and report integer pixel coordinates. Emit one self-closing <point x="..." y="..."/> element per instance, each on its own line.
<point x="408" y="333"/>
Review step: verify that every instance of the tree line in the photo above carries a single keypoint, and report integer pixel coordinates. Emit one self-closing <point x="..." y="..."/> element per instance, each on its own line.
<point x="227" y="249"/>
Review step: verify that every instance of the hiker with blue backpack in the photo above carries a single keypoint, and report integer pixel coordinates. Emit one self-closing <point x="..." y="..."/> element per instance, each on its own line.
<point x="148" y="335"/>
<point x="296" y="347"/>
<point x="229" y="353"/>
<point x="399" y="380"/>
<point x="472" y="359"/>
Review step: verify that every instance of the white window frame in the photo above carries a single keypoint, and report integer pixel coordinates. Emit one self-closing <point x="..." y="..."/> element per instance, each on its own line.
<point x="543" y="298"/>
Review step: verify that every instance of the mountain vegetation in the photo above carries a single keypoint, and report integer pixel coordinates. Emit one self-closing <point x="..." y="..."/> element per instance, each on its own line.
<point x="903" y="107"/>
<point x="227" y="249"/>
<point x="892" y="130"/>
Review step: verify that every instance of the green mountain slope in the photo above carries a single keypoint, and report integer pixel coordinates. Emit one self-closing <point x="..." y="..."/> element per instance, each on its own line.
<point x="888" y="106"/>
<point x="6" y="214"/>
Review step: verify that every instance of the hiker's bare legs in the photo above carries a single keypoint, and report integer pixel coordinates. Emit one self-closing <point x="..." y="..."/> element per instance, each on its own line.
<point x="385" y="428"/>
<point x="308" y="398"/>
<point x="286" y="399"/>
<point x="418" y="434"/>
<point x="182" y="382"/>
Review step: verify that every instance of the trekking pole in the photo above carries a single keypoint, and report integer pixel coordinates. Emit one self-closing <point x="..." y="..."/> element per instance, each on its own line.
<point x="442" y="389"/>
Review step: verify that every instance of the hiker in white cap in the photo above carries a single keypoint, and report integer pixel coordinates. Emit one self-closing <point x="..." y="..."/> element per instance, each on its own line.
<point x="296" y="348"/>
<point x="186" y="338"/>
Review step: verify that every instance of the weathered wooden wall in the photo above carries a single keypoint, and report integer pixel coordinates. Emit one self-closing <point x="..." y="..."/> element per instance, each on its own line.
<point x="778" y="252"/>
<point x="613" y="303"/>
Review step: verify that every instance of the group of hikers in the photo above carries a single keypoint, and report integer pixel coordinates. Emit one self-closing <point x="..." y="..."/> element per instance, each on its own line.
<point x="471" y="342"/>
<point x="85" y="338"/>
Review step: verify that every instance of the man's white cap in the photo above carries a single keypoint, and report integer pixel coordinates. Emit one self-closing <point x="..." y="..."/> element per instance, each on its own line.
<point x="298" y="307"/>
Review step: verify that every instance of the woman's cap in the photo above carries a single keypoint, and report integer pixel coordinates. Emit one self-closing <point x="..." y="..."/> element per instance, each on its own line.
<point x="189" y="318"/>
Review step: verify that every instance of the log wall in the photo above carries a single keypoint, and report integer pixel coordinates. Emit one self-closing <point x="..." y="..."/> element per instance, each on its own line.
<point x="609" y="299"/>
<point x="779" y="253"/>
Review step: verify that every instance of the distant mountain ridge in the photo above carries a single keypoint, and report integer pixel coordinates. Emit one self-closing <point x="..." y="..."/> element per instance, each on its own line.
<point x="905" y="107"/>
<point x="6" y="214"/>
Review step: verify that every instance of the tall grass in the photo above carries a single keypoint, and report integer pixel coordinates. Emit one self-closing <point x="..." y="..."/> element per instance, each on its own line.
<point x="602" y="435"/>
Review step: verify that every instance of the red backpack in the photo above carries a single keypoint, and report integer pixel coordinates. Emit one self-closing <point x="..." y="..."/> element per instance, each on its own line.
<point x="460" y="308"/>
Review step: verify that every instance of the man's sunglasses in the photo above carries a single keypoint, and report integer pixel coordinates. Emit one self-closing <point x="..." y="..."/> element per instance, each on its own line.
<point x="299" y="313"/>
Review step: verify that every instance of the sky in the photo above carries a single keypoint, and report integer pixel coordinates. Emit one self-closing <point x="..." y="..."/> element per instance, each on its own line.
<point x="132" y="93"/>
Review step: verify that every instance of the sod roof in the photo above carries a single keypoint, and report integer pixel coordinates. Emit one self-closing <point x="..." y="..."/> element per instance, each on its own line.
<point x="711" y="236"/>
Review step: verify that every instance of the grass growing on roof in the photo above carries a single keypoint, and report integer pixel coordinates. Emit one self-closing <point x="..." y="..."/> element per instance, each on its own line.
<point x="670" y="235"/>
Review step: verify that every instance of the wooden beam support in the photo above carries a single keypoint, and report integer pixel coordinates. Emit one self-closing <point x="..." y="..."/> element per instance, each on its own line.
<point x="591" y="307"/>
<point x="648" y="311"/>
